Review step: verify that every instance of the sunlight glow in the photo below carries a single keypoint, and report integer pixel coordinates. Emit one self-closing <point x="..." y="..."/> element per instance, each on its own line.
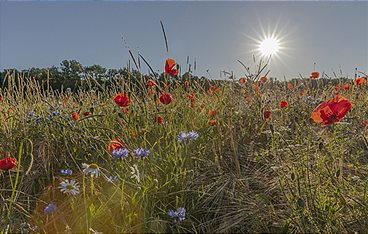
<point x="269" y="46"/>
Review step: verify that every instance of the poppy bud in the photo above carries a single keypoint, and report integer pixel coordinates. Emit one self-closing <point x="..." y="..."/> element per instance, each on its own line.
<point x="8" y="163"/>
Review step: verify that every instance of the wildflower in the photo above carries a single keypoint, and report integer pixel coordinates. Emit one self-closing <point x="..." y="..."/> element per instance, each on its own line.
<point x="86" y="113"/>
<point x="68" y="90"/>
<point x="75" y="116"/>
<point x="8" y="163"/>
<point x="112" y="179"/>
<point x="314" y="75"/>
<point x="178" y="214"/>
<point x="171" y="67"/>
<point x="150" y="83"/>
<point x="31" y="114"/>
<point x="135" y="174"/>
<point x="212" y="122"/>
<point x="165" y="98"/>
<point x="151" y="91"/>
<point x="191" y="97"/>
<point x="355" y="178"/>
<point x="182" y="136"/>
<point x="212" y="89"/>
<point x="92" y="169"/>
<point x="116" y="143"/>
<point x="159" y="120"/>
<point x="192" y="135"/>
<point x="242" y="80"/>
<point x="331" y="111"/>
<point x="70" y="187"/>
<point x="290" y="86"/>
<point x="267" y="114"/>
<point x="263" y="80"/>
<point x="186" y="83"/>
<point x="68" y="172"/>
<point x="211" y="113"/>
<point x="122" y="100"/>
<point x="50" y="208"/>
<point x="360" y="81"/>
<point x="1" y="98"/>
<point x="283" y="104"/>
<point x="120" y="153"/>
<point x="347" y="86"/>
<point x="141" y="152"/>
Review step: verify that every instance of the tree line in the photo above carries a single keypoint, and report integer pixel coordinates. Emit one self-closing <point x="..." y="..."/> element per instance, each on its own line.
<point x="72" y="75"/>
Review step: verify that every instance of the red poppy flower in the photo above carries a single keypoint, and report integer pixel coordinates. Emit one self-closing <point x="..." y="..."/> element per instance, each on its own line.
<point x="267" y="114"/>
<point x="151" y="91"/>
<point x="212" y="122"/>
<point x="263" y="80"/>
<point x="191" y="96"/>
<point x="314" y="75"/>
<point x="86" y="113"/>
<point x="150" y="83"/>
<point x="242" y="80"/>
<point x="121" y="99"/>
<point x="1" y="98"/>
<point x="171" y="67"/>
<point x="165" y="98"/>
<point x="116" y="143"/>
<point x="186" y="83"/>
<point x="290" y="86"/>
<point x="211" y="113"/>
<point x="331" y="111"/>
<point x="347" y="86"/>
<point x="212" y="89"/>
<point x="283" y="104"/>
<point x="338" y="87"/>
<point x="8" y="163"/>
<point x="159" y="120"/>
<point x="75" y="116"/>
<point x="360" y="81"/>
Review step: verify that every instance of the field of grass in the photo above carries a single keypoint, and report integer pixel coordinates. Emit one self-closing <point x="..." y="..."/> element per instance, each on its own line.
<point x="245" y="171"/>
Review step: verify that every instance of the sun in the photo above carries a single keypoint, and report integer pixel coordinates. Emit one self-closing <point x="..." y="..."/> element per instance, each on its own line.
<point x="269" y="46"/>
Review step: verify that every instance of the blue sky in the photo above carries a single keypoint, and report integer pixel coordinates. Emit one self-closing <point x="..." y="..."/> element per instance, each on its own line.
<point x="216" y="34"/>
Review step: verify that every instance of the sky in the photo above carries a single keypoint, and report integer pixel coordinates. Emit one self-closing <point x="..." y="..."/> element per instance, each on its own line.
<point x="334" y="35"/>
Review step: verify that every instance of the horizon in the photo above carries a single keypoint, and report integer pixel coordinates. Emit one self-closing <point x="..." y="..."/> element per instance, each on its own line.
<point x="214" y="34"/>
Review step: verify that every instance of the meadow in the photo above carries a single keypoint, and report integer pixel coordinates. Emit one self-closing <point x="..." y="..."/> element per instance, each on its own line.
<point x="180" y="155"/>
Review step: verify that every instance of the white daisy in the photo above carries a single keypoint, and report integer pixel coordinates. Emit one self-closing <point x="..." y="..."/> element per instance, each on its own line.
<point x="135" y="173"/>
<point x="92" y="169"/>
<point x="71" y="187"/>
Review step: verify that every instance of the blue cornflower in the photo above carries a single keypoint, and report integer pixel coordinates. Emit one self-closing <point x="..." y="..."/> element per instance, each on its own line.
<point x="112" y="179"/>
<point x="140" y="152"/>
<point x="178" y="214"/>
<point x="30" y="114"/>
<point x="120" y="153"/>
<point x="182" y="136"/>
<point x="66" y="172"/>
<point x="192" y="135"/>
<point x="50" y="208"/>
<point x="37" y="120"/>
